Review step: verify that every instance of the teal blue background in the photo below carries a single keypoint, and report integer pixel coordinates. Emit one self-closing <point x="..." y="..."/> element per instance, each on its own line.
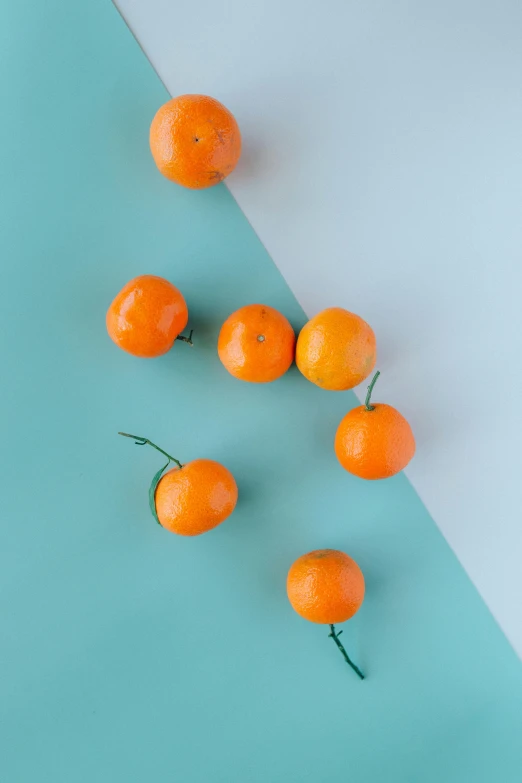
<point x="129" y="654"/>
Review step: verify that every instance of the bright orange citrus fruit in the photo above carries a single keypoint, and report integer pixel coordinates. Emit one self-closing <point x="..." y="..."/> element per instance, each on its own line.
<point x="325" y="586"/>
<point x="195" y="141"/>
<point x="147" y="316"/>
<point x="374" y="441"/>
<point x="195" y="498"/>
<point x="336" y="349"/>
<point x="256" y="344"/>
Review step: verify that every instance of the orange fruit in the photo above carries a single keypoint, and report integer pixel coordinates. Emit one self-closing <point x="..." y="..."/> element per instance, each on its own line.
<point x="147" y="316"/>
<point x="195" y="498"/>
<point x="195" y="141"/>
<point x="325" y="586"/>
<point x="189" y="499"/>
<point x="336" y="349"/>
<point x="256" y="344"/>
<point x="374" y="441"/>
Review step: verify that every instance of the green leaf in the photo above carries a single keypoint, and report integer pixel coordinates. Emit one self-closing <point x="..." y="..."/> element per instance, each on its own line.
<point x="152" y="491"/>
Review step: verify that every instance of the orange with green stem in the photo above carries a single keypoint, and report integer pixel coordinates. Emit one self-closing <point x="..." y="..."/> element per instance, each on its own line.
<point x="189" y="499"/>
<point x="374" y="441"/>
<point x="327" y="586"/>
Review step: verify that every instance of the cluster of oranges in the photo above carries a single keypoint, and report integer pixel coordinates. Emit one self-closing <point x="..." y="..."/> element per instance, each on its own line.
<point x="195" y="141"/>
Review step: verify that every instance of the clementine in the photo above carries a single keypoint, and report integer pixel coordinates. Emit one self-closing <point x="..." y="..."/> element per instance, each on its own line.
<point x="336" y="349"/>
<point x="193" y="498"/>
<point x="256" y="344"/>
<point x="374" y="441"/>
<point x="195" y="141"/>
<point x="327" y="586"/>
<point x="147" y="316"/>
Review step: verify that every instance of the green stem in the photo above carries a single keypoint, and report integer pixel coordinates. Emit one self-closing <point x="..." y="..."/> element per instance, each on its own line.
<point x="370" y="389"/>
<point x="335" y="636"/>
<point x="145" y="441"/>
<point x="185" y="340"/>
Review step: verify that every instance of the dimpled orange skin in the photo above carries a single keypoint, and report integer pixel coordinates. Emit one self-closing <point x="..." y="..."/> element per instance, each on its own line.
<point x="256" y="344"/>
<point x="146" y="316"/>
<point x="195" y="141"/>
<point x="325" y="586"/>
<point x="374" y="444"/>
<point x="336" y="349"/>
<point x="195" y="498"/>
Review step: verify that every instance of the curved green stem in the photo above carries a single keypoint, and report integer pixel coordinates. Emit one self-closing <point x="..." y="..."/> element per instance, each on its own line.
<point x="145" y="441"/>
<point x="335" y="636"/>
<point x="370" y="389"/>
<point x="186" y="339"/>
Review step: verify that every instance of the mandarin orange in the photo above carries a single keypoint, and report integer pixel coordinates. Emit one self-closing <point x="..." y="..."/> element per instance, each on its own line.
<point x="257" y="344"/>
<point x="374" y="441"/>
<point x="193" y="498"/>
<point x="147" y="316"/>
<point x="195" y="141"/>
<point x="336" y="349"/>
<point x="325" y="586"/>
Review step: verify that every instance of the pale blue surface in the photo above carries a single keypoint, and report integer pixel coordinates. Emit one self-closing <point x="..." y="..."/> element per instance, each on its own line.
<point x="132" y="655"/>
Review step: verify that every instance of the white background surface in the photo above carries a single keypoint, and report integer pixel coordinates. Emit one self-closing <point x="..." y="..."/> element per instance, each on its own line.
<point x="382" y="169"/>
